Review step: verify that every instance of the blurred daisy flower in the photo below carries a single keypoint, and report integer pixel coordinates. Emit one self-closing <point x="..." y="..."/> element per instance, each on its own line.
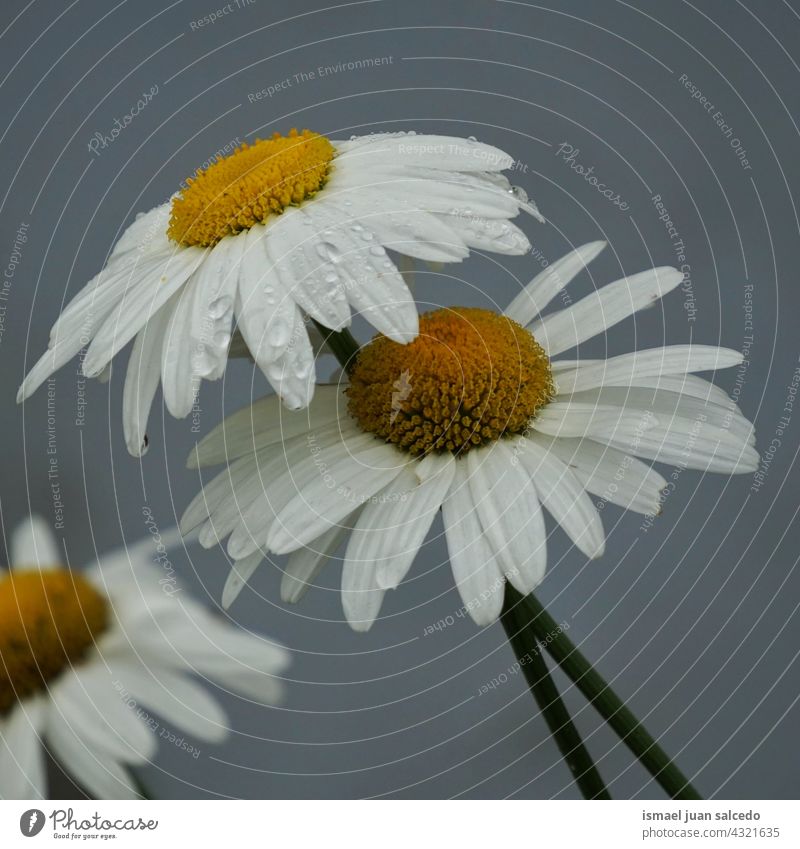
<point x="281" y="230"/>
<point x="86" y="656"/>
<point x="474" y="417"/>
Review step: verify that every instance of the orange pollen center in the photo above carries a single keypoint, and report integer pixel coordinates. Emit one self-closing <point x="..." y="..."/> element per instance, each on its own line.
<point x="469" y="378"/>
<point x="48" y="620"/>
<point x="255" y="181"/>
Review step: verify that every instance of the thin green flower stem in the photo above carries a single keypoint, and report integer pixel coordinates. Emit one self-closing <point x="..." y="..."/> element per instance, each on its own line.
<point x="529" y="655"/>
<point x="342" y="343"/>
<point x="603" y="698"/>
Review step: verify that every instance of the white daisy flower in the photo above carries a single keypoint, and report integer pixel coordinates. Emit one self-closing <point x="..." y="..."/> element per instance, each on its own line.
<point x="281" y="230"/>
<point x="476" y="417"/>
<point x="94" y="661"/>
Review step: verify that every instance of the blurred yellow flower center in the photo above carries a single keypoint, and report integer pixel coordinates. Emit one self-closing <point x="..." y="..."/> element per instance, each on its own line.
<point x="255" y="181"/>
<point x="469" y="378"/>
<point x="48" y="620"/>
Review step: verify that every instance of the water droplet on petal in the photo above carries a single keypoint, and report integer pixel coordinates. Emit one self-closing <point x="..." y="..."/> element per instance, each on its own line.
<point x="219" y="307"/>
<point x="279" y="332"/>
<point x="519" y="194"/>
<point x="377" y="250"/>
<point x="222" y="339"/>
<point x="329" y="251"/>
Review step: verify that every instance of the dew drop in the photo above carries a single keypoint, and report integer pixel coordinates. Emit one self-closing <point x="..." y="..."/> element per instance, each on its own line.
<point x="328" y="251"/>
<point x="279" y="332"/>
<point x="518" y="193"/>
<point x="377" y="250"/>
<point x="220" y="306"/>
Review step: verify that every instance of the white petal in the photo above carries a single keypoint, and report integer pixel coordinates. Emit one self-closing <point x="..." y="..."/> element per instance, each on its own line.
<point x="549" y="282"/>
<point x="564" y="498"/>
<point x="689" y="444"/>
<point x="111" y="726"/>
<point x="608" y="473"/>
<point x="34" y="545"/>
<point x="394" y="524"/>
<point x="604" y="308"/>
<point x="489" y="234"/>
<point x="319" y="506"/>
<point x="146" y="233"/>
<point x="304" y="263"/>
<point x="477" y="574"/>
<point x="292" y="374"/>
<point x="22" y="766"/>
<point x="400" y="223"/>
<point x="371" y="282"/>
<point x="447" y="153"/>
<point x="141" y="380"/>
<point x="306" y="563"/>
<point x="668" y="406"/>
<point x="178" y="701"/>
<point x="240" y="574"/>
<point x="263" y="423"/>
<point x="510" y="514"/>
<point x="138" y="305"/>
<point x="567" y="418"/>
<point x="62" y="351"/>
<point x="627" y="369"/>
<point x="102" y="776"/>
<point x="265" y="312"/>
<point x="361" y="595"/>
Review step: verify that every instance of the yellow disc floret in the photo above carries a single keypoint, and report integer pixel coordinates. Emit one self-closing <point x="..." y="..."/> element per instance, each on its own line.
<point x="48" y="620"/>
<point x="255" y="181"/>
<point x="469" y="378"/>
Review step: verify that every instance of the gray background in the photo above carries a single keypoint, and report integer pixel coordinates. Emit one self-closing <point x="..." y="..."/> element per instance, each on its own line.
<point x="695" y="619"/>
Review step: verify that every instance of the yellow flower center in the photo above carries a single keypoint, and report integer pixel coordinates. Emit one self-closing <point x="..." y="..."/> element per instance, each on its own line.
<point x="48" y="620"/>
<point x="255" y="181"/>
<point x="470" y="377"/>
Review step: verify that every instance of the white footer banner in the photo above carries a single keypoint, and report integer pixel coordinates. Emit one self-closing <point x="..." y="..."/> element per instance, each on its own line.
<point x="390" y="824"/>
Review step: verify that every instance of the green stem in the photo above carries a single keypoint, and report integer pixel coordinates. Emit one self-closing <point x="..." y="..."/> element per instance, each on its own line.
<point x="342" y="343"/>
<point x="603" y="698"/>
<point x="525" y="644"/>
